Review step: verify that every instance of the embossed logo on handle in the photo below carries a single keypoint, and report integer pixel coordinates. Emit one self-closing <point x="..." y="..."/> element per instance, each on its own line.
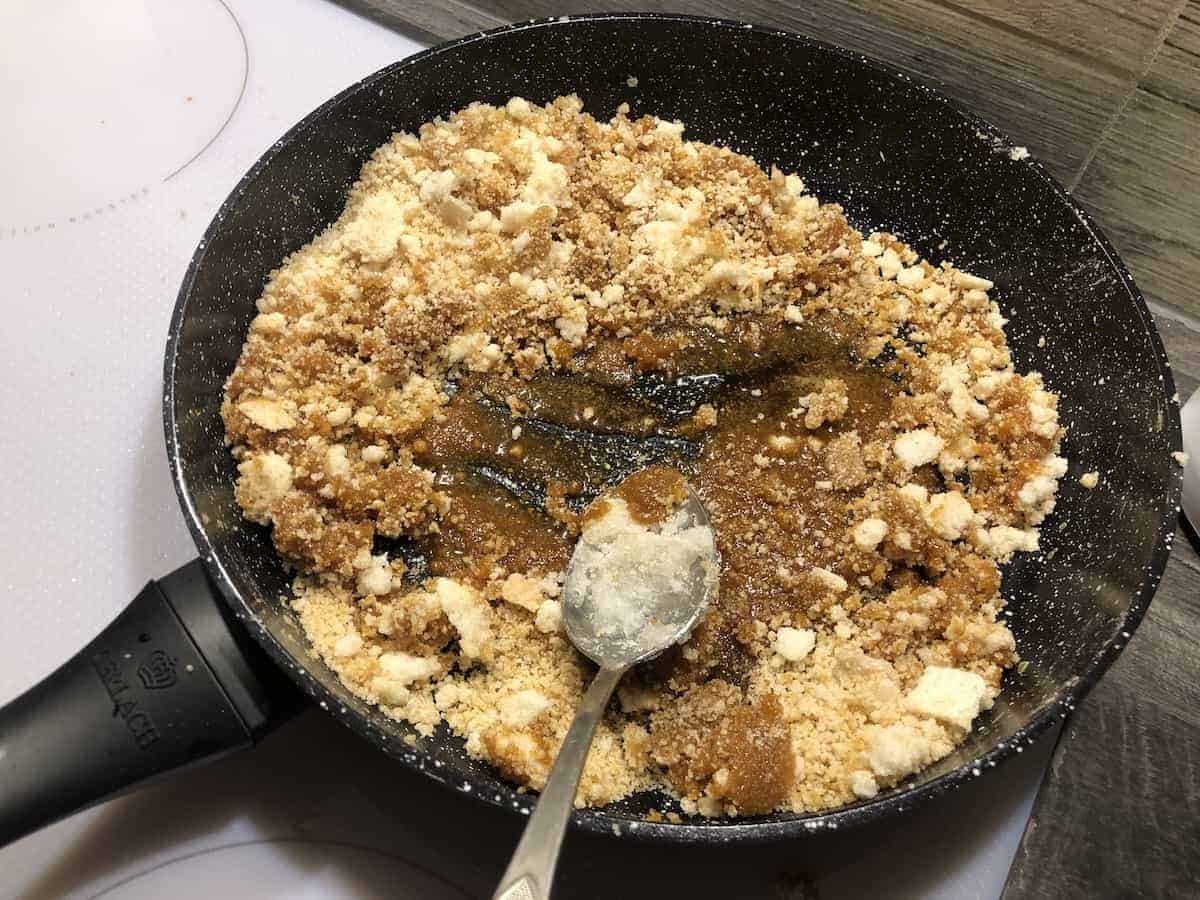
<point x="157" y="671"/>
<point x="125" y="705"/>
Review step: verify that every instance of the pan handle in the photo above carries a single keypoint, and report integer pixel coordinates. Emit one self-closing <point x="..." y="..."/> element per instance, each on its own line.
<point x="173" y="680"/>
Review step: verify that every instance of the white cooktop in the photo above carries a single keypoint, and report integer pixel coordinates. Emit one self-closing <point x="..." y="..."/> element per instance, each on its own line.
<point x="126" y="123"/>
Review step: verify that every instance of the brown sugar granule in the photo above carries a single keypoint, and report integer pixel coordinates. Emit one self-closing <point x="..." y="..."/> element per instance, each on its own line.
<point x="728" y="751"/>
<point x="652" y="494"/>
<point x="519" y="308"/>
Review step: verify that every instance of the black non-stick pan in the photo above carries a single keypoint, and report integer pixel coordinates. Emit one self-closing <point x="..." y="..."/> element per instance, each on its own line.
<point x="191" y="669"/>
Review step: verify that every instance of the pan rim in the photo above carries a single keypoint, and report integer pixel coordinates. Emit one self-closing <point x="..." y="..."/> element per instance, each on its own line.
<point x="736" y="831"/>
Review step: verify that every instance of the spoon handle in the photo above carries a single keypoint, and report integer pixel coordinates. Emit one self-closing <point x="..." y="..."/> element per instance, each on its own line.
<point x="530" y="872"/>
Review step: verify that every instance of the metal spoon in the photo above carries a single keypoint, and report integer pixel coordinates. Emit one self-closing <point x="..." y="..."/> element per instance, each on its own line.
<point x="674" y="609"/>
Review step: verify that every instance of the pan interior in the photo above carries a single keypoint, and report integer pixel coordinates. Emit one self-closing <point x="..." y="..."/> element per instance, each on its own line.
<point x="896" y="156"/>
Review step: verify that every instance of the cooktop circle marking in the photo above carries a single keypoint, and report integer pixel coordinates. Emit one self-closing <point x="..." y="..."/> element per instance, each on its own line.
<point x="107" y="99"/>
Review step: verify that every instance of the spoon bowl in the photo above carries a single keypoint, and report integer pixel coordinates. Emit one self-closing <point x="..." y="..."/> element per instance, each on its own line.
<point x="632" y="590"/>
<point x="625" y="603"/>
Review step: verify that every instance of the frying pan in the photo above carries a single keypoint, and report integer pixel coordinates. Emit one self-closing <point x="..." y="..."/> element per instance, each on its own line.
<point x="196" y="665"/>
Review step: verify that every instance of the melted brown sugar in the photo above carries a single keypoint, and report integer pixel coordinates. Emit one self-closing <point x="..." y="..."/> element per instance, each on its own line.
<point x="650" y="495"/>
<point x="776" y="491"/>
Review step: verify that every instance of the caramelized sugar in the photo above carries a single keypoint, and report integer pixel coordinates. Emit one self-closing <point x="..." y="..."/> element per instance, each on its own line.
<point x="776" y="490"/>
<point x="652" y="494"/>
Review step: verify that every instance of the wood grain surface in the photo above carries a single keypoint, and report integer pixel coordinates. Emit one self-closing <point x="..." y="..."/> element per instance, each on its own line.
<point x="1106" y="93"/>
<point x="1143" y="183"/>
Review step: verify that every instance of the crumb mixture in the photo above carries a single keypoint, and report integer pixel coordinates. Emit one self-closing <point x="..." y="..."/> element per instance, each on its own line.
<point x="521" y="306"/>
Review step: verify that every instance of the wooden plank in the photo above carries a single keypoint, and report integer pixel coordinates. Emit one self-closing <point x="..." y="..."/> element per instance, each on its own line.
<point x="1173" y="72"/>
<point x="1144" y="180"/>
<point x="1144" y="843"/>
<point x="431" y="22"/>
<point x="1183" y="350"/>
<point x="1052" y="75"/>
<point x="1119" y="812"/>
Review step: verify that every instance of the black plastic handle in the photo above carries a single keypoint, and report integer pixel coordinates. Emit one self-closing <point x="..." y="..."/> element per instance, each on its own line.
<point x="172" y="681"/>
